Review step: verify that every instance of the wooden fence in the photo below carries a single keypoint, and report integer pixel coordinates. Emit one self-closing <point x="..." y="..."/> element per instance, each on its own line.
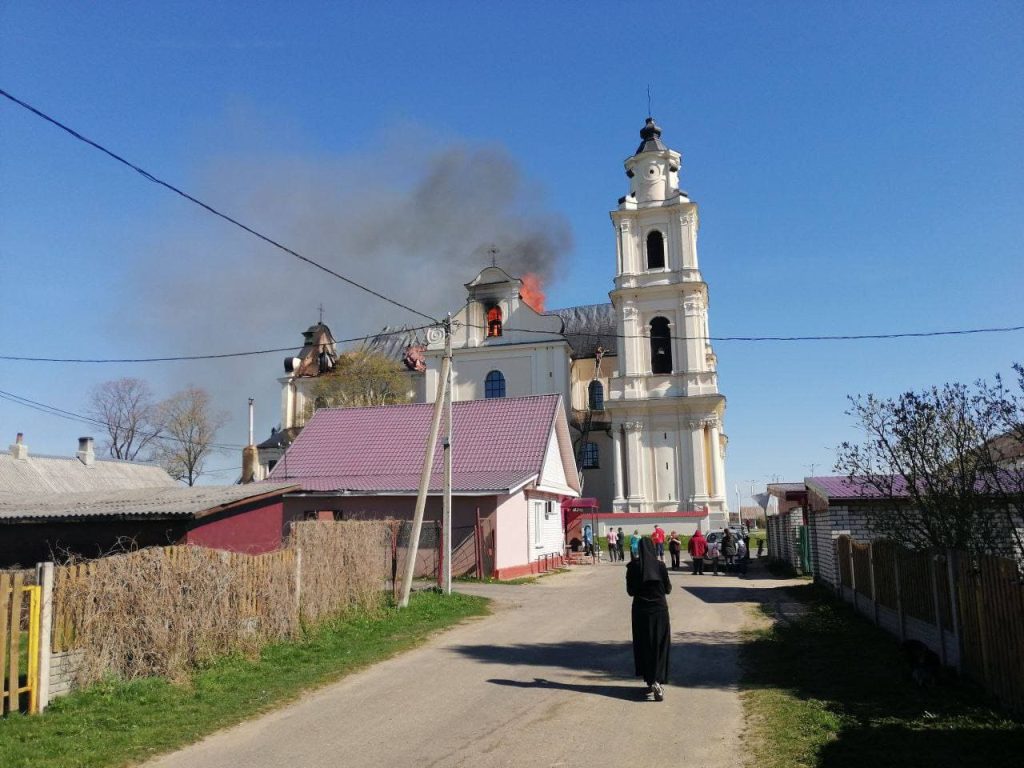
<point x="19" y="642"/>
<point x="969" y="611"/>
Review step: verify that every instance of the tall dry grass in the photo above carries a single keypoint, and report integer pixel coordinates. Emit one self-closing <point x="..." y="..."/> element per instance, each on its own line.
<point x="345" y="566"/>
<point x="167" y="610"/>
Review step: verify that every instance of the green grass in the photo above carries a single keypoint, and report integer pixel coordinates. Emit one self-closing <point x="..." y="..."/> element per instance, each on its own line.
<point x="831" y="689"/>
<point x="120" y="723"/>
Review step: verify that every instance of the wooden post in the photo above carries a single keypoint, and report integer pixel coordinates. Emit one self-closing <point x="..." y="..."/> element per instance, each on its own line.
<point x="44" y="573"/>
<point x="871" y="572"/>
<point x="952" y="571"/>
<point x="446" y="494"/>
<point x="298" y="583"/>
<point x="938" y="612"/>
<point x="899" y="591"/>
<point x="853" y="575"/>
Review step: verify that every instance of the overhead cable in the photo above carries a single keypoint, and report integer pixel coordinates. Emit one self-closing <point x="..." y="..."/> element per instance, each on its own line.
<point x="150" y="177"/>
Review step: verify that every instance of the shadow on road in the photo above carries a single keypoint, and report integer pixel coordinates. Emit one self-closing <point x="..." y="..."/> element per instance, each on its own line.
<point x="698" y="659"/>
<point x="727" y="593"/>
<point x="622" y="692"/>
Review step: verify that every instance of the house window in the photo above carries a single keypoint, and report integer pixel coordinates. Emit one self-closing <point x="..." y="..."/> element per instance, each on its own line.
<point x="590" y="456"/>
<point x="596" y="391"/>
<point x="494" y="321"/>
<point x="494" y="385"/>
<point x="655" y="250"/>
<point x="661" y="346"/>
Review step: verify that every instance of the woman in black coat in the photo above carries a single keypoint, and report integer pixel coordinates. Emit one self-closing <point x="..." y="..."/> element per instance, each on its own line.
<point x="647" y="582"/>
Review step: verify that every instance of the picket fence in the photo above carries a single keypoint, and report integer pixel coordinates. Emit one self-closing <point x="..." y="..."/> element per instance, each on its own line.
<point x="969" y="611"/>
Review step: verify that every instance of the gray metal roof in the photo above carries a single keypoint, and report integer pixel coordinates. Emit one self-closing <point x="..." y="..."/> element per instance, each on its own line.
<point x="55" y="474"/>
<point x="588" y="327"/>
<point x="391" y="342"/>
<point x="174" y="501"/>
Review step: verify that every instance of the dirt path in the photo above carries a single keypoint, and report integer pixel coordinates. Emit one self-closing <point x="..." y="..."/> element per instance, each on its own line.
<point x="545" y="681"/>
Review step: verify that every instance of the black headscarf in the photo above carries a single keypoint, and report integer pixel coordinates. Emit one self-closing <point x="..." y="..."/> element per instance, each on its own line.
<point x="650" y="565"/>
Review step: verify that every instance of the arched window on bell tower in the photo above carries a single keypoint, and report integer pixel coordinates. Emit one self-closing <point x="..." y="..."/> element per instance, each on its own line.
<point x="494" y="321"/>
<point x="655" y="250"/>
<point x="661" y="346"/>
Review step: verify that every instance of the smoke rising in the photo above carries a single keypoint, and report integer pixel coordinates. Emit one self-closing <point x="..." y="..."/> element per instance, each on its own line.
<point x="413" y="221"/>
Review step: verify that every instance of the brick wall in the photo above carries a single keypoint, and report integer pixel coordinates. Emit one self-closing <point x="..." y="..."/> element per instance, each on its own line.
<point x="63" y="668"/>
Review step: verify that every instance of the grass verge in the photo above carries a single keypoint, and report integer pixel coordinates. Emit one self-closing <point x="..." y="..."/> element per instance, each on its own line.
<point x="830" y="689"/>
<point x="121" y="723"/>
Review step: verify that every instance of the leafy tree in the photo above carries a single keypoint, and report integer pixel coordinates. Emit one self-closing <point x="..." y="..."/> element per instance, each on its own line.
<point x="190" y="432"/>
<point x="359" y="378"/>
<point x="927" y="457"/>
<point x="128" y="413"/>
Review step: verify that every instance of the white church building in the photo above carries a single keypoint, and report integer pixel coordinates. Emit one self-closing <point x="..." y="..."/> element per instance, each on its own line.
<point x="639" y="372"/>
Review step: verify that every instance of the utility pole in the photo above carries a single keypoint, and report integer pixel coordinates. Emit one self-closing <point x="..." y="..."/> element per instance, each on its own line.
<point x="428" y="463"/>
<point x="446" y="523"/>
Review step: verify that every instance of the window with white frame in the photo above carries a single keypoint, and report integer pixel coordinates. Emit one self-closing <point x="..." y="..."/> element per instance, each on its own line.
<point x="538" y="522"/>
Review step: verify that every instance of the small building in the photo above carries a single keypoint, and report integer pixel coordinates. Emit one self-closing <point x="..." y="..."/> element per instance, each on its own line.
<point x="512" y="466"/>
<point x="786" y="513"/>
<point x="55" y="526"/>
<point x="22" y="472"/>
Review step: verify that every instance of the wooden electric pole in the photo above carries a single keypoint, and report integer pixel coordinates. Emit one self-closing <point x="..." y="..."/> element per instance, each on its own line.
<point x="446" y="503"/>
<point x="428" y="463"/>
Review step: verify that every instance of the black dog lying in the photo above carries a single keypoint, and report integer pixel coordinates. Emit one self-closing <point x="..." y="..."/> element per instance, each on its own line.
<point x="924" y="662"/>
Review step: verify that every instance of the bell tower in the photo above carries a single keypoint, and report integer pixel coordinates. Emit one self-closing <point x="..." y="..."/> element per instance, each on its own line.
<point x="664" y="401"/>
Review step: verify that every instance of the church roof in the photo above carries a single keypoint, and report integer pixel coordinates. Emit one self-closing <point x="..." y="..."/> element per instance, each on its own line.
<point x="650" y="138"/>
<point x="392" y="342"/>
<point x="588" y="327"/>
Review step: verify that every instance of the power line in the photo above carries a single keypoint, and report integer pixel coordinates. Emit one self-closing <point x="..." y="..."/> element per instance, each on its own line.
<point x="215" y="356"/>
<point x="53" y="410"/>
<point x="844" y="337"/>
<point x="150" y="177"/>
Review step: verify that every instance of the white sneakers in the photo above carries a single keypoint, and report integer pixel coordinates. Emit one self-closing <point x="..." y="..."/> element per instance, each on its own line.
<point x="659" y="692"/>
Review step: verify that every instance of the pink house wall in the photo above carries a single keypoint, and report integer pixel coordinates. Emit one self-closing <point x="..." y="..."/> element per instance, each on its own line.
<point x="513" y="545"/>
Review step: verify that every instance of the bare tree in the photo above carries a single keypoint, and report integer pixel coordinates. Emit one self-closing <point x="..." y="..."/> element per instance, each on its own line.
<point x="359" y="378"/>
<point x="128" y="413"/>
<point x="926" y="458"/>
<point x="190" y="430"/>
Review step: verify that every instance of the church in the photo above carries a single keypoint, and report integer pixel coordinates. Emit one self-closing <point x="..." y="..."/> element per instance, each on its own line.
<point x="637" y="373"/>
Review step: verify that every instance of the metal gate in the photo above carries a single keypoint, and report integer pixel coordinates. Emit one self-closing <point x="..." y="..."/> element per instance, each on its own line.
<point x="19" y="644"/>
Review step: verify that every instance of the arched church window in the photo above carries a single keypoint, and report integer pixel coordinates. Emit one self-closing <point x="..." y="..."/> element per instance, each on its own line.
<point x="494" y="321"/>
<point x="655" y="250"/>
<point x="596" y="392"/>
<point x="494" y="385"/>
<point x="591" y="457"/>
<point x="661" y="346"/>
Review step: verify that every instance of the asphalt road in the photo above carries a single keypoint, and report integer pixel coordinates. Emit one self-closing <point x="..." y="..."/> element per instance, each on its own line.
<point x="547" y="680"/>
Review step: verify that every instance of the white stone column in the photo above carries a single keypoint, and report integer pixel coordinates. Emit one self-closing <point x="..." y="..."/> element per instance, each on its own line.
<point x="635" y="463"/>
<point x="698" y="482"/>
<point x="617" y="457"/>
<point x="717" y="465"/>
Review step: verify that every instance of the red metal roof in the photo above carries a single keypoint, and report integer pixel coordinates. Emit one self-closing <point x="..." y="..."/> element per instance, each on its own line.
<point x="498" y="445"/>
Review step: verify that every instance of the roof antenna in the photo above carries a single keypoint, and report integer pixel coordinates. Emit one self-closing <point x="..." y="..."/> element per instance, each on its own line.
<point x="648" y="99"/>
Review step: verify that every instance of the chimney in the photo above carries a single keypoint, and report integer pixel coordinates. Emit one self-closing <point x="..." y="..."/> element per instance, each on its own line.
<point x="250" y="454"/>
<point x="18" y="449"/>
<point x="85" y="452"/>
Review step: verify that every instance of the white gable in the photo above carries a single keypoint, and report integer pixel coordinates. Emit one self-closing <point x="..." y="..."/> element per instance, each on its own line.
<point x="553" y="475"/>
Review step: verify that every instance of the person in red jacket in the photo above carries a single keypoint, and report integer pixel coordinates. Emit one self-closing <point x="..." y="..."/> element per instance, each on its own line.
<point x="697" y="548"/>
<point x="658" y="538"/>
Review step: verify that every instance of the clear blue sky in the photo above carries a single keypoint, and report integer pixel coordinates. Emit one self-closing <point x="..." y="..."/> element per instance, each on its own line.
<point x="859" y="168"/>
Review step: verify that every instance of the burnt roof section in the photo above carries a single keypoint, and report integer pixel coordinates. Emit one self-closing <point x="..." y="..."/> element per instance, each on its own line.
<point x="392" y="342"/>
<point x="588" y="327"/>
<point x="650" y="138"/>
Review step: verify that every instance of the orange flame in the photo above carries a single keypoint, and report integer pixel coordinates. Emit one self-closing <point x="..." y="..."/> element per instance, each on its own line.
<point x="532" y="292"/>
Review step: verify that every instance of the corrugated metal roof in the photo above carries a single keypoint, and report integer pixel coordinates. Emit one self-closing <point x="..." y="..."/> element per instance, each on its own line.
<point x="588" y="327"/>
<point x="498" y="445"/>
<point x="55" y="474"/>
<point x="161" y="501"/>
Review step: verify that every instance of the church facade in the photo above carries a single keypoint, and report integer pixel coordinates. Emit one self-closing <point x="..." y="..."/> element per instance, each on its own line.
<point x="638" y="373"/>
